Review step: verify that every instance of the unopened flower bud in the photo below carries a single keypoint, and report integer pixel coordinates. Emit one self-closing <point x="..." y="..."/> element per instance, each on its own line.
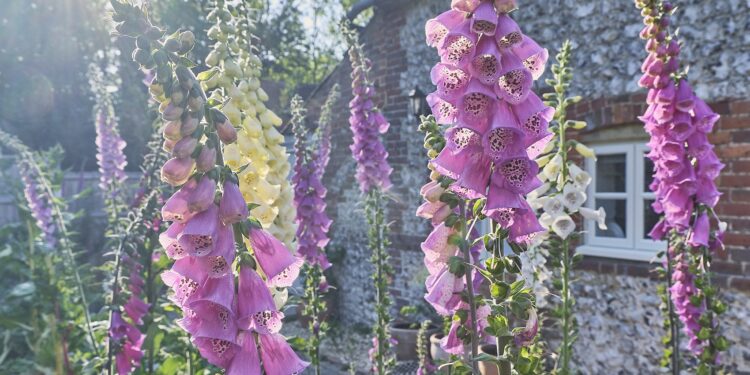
<point x="176" y="171"/>
<point x="202" y="197"/>
<point x="195" y="102"/>
<point x="206" y="159"/>
<point x="187" y="40"/>
<point x="168" y="145"/>
<point x="172" y="112"/>
<point x="172" y="131"/>
<point x="189" y="126"/>
<point x="185" y="147"/>
<point x="585" y="151"/>
<point x="154" y="33"/>
<point x="172" y="45"/>
<point x="227" y="133"/>
<point x="232" y="208"/>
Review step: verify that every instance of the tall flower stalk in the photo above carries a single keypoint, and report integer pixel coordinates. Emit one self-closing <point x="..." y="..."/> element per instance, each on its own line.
<point x="234" y="326"/>
<point x="483" y="167"/>
<point x="560" y="199"/>
<point x="235" y="81"/>
<point x="373" y="175"/>
<point x="312" y="221"/>
<point x="47" y="202"/>
<point x="686" y="168"/>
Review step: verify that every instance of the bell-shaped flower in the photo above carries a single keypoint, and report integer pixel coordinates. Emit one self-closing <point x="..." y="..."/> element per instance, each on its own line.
<point x="525" y="225"/>
<point x="507" y="34"/>
<point x="201" y="233"/>
<point x="705" y="118"/>
<point x="476" y="106"/>
<point x="534" y="116"/>
<point x="176" y="207"/>
<point x="277" y="263"/>
<point x="518" y="175"/>
<point x="462" y="144"/>
<point x="504" y="139"/>
<point x="553" y="168"/>
<point x="699" y="234"/>
<point x="437" y="248"/>
<point x="533" y="56"/>
<point x="563" y="226"/>
<point x="136" y="309"/>
<point x="484" y="19"/>
<point x="184" y="278"/>
<point x="458" y="45"/>
<point x="444" y="112"/>
<point x="581" y="178"/>
<point x="515" y="80"/>
<point x="216" y="351"/>
<point x="486" y="64"/>
<point x="451" y="81"/>
<point x="554" y="206"/>
<point x="278" y="357"/>
<point x="526" y="336"/>
<point x="256" y="309"/>
<point x="573" y="197"/>
<point x="437" y="28"/>
<point x="247" y="360"/>
<point x="232" y="208"/>
<point x="444" y="291"/>
<point x="432" y="191"/>
<point x="600" y="216"/>
<point x="467" y="6"/>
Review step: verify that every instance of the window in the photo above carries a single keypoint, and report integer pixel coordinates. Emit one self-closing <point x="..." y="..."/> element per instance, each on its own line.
<point x="621" y="177"/>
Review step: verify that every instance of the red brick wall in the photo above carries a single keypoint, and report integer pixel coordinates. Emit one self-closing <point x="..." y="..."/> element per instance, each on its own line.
<point x="731" y="137"/>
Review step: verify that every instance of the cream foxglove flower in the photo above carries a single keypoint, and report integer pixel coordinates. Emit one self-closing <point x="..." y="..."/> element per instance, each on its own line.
<point x="573" y="197"/>
<point x="600" y="216"/>
<point x="554" y="206"/>
<point x="553" y="168"/>
<point x="563" y="226"/>
<point x="585" y="151"/>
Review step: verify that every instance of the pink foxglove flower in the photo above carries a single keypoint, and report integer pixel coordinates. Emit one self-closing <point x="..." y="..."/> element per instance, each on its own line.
<point x="276" y="261"/>
<point x="367" y="124"/>
<point x="255" y="308"/>
<point x="484" y="92"/>
<point x="39" y="204"/>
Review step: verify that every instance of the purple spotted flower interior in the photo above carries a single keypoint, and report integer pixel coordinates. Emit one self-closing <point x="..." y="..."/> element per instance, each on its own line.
<point x="497" y="125"/>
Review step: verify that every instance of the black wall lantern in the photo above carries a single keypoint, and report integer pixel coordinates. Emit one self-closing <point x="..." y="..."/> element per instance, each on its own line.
<point x="418" y="103"/>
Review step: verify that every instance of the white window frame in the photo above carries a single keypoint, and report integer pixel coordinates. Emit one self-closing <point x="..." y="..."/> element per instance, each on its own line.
<point x="634" y="246"/>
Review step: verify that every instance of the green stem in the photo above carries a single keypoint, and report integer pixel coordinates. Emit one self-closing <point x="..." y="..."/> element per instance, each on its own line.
<point x="673" y="328"/>
<point x="466" y="249"/>
<point x="565" y="354"/>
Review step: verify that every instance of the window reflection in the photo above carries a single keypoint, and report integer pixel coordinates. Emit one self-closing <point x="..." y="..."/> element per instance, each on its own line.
<point x="610" y="173"/>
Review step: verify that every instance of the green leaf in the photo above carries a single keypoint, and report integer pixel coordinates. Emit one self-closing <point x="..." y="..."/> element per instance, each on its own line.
<point x="23" y="289"/>
<point x="456" y="266"/>
<point x="207" y="74"/>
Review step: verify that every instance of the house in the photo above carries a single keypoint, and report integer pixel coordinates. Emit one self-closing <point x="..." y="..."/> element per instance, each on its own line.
<point x="617" y="305"/>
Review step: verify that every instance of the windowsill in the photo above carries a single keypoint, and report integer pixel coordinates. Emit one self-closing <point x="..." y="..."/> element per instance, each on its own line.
<point x="618" y="253"/>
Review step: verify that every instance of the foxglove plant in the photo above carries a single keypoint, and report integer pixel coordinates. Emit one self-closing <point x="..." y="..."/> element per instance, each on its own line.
<point x="686" y="168"/>
<point x="109" y="144"/>
<point x="312" y="221"/>
<point x="234" y="327"/>
<point x="43" y="199"/>
<point x="497" y="126"/>
<point x="373" y="175"/>
<point x="235" y="80"/>
<point x="560" y="199"/>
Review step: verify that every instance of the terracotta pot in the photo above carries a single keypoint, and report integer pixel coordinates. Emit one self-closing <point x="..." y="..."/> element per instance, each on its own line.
<point x="436" y="352"/>
<point x="490" y="368"/>
<point x="406" y="348"/>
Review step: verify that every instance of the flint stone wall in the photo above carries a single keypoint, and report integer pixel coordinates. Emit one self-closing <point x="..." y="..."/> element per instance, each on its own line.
<point x="617" y="306"/>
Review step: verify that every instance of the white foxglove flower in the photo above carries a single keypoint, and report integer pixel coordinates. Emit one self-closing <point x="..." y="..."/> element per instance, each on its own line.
<point x="573" y="197"/>
<point x="535" y="201"/>
<point x="553" y="168"/>
<point x="546" y="220"/>
<point x="542" y="189"/>
<point x="563" y="226"/>
<point x="554" y="206"/>
<point x="579" y="176"/>
<point x="600" y="216"/>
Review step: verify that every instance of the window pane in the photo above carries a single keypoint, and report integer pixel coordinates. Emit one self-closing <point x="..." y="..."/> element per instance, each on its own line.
<point x="650" y="218"/>
<point x="610" y="173"/>
<point x="648" y="173"/>
<point x="616" y="218"/>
